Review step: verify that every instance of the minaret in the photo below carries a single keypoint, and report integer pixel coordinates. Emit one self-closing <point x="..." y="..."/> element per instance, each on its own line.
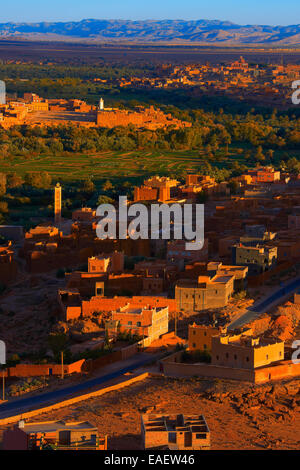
<point x="101" y="104"/>
<point x="57" y="204"/>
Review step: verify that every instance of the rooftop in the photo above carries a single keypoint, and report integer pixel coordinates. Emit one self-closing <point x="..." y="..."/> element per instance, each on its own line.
<point x="179" y="422"/>
<point x="52" y="426"/>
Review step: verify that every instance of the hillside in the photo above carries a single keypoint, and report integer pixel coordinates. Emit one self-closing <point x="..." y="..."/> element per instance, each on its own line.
<point x="206" y="32"/>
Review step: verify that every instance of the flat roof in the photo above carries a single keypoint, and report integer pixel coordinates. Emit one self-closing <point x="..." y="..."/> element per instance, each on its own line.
<point x="52" y="426"/>
<point x="222" y="279"/>
<point x="175" y="422"/>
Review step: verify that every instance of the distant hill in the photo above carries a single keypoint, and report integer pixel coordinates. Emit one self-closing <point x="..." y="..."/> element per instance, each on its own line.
<point x="206" y="32"/>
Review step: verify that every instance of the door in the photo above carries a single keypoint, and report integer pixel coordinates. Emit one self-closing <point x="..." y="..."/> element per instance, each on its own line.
<point x="65" y="438"/>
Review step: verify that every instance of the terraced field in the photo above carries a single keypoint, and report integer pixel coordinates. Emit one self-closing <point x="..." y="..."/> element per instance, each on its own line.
<point x="106" y="164"/>
<point x="132" y="165"/>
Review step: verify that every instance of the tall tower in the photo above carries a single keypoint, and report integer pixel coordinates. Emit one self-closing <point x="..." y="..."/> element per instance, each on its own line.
<point x="99" y="111"/>
<point x="57" y="204"/>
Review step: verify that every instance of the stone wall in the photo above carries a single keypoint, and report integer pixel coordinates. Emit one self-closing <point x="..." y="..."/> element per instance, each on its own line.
<point x="283" y="370"/>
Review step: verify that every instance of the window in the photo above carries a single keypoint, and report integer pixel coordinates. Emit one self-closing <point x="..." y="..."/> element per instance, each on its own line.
<point x="172" y="437"/>
<point x="204" y="346"/>
<point x="204" y="333"/>
<point x="247" y="359"/>
<point x="235" y="356"/>
<point x="194" y="345"/>
<point x="130" y="323"/>
<point x="227" y="355"/>
<point x="138" y="323"/>
<point x="217" y="357"/>
<point x="267" y="356"/>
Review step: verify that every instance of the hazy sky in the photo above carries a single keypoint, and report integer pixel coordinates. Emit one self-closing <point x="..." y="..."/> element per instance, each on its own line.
<point x="239" y="11"/>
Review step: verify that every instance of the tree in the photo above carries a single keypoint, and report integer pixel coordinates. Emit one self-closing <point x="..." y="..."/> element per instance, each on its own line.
<point x="104" y="200"/>
<point x="259" y="154"/>
<point x="88" y="186"/>
<point x="2" y="184"/>
<point x="107" y="186"/>
<point x="270" y="154"/>
<point x="57" y="343"/>
<point x="14" y="180"/>
<point x="40" y="180"/>
<point x="3" y="207"/>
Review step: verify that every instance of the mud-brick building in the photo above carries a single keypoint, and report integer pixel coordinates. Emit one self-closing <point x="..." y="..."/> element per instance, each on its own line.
<point x="84" y="215"/>
<point x="179" y="255"/>
<point x="258" y="258"/>
<point x="157" y="188"/>
<point x="240" y="273"/>
<point x="174" y="432"/>
<point x="41" y="232"/>
<point x="204" y="293"/>
<point x="196" y="184"/>
<point x="199" y="337"/>
<point x="8" y="266"/>
<point x="245" y="352"/>
<point x="140" y="117"/>
<point x="50" y="435"/>
<point x="92" y="282"/>
<point x="294" y="221"/>
<point x="264" y="175"/>
<point x="147" y="322"/>
<point x="72" y="305"/>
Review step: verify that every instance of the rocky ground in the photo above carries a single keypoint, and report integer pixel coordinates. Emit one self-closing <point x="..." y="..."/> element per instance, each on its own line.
<point x="28" y="311"/>
<point x="239" y="415"/>
<point x="282" y="322"/>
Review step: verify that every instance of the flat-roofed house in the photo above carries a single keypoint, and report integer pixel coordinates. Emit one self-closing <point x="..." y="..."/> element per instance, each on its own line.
<point x="175" y="432"/>
<point x="78" y="435"/>
<point x="204" y="293"/>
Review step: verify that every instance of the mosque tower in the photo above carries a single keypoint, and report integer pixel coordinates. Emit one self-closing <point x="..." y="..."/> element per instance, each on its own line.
<point x="101" y="104"/>
<point x="57" y="204"/>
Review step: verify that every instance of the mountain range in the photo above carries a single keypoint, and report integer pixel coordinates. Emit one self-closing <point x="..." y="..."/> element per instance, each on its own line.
<point x="204" y="32"/>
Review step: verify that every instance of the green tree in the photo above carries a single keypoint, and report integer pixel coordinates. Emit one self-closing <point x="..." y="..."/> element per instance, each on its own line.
<point x="88" y="186"/>
<point x="2" y="184"/>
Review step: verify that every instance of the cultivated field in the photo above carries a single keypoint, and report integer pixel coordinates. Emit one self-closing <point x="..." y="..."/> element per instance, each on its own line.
<point x="127" y="165"/>
<point x="106" y="164"/>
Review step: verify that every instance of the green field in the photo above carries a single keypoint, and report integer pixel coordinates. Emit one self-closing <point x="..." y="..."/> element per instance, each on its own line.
<point x="72" y="167"/>
<point x="106" y="164"/>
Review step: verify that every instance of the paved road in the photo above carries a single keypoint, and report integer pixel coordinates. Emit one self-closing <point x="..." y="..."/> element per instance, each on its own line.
<point x="266" y="303"/>
<point x="27" y="404"/>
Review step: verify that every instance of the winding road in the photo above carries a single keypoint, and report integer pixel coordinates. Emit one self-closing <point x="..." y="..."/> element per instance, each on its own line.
<point x="22" y="405"/>
<point x="262" y="305"/>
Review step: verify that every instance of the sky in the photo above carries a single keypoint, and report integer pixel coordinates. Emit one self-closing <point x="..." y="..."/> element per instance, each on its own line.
<point x="271" y="12"/>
